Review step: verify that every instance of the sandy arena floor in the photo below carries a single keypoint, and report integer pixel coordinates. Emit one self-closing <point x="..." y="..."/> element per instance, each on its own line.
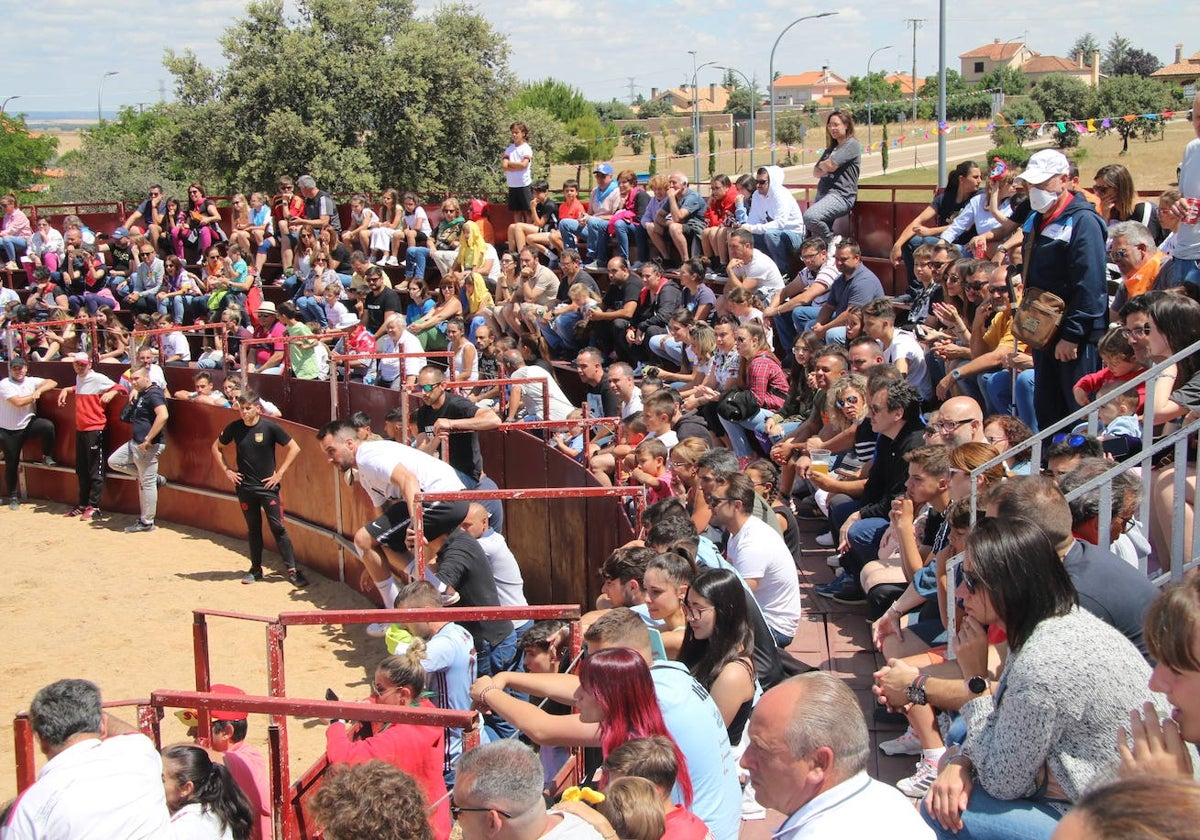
<point x="115" y="608"/>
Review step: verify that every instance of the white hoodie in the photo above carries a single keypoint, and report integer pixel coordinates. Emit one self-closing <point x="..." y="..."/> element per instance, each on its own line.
<point x="777" y="210"/>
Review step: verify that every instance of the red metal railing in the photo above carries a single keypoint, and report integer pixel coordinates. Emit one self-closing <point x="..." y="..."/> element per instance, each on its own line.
<point x="138" y="337"/>
<point x="17" y="343"/>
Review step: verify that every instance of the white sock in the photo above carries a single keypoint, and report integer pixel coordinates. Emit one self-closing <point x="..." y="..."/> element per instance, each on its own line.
<point x="933" y="756"/>
<point x="389" y="591"/>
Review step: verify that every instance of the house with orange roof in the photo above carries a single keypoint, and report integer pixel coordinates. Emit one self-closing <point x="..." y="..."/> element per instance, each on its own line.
<point x="1041" y="66"/>
<point x="815" y="87"/>
<point x="1182" y="71"/>
<point x="907" y="83"/>
<point x="977" y="63"/>
<point x="713" y="99"/>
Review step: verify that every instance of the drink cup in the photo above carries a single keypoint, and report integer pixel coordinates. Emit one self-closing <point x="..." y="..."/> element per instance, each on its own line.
<point x="821" y="460"/>
<point x="1193" y="211"/>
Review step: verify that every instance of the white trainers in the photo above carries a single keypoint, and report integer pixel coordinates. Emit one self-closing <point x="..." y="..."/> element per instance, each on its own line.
<point x="378" y="630"/>
<point x="906" y="744"/>
<point x="834" y="561"/>
<point x="917" y="785"/>
<point x="825" y="540"/>
<point x="390" y="260"/>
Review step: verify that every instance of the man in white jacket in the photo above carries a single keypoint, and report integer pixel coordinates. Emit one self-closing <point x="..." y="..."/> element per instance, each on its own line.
<point x="774" y="217"/>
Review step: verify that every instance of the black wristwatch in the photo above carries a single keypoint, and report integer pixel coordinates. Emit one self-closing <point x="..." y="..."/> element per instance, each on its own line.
<point x="977" y="685"/>
<point x="916" y="691"/>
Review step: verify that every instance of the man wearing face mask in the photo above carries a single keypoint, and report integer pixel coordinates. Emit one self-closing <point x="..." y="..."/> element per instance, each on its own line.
<point x="1066" y="258"/>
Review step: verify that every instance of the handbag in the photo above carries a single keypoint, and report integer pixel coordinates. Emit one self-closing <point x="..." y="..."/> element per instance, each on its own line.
<point x="1038" y="318"/>
<point x="737" y="404"/>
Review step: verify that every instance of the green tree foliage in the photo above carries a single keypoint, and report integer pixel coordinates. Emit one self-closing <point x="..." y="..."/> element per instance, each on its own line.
<point x="1114" y="53"/>
<point x="590" y="141"/>
<point x="712" y="152"/>
<point x="1135" y="62"/>
<point x="879" y="90"/>
<point x="790" y="129"/>
<point x="1010" y="80"/>
<point x="1122" y="95"/>
<point x="21" y="153"/>
<point x="954" y="84"/>
<point x="1064" y="98"/>
<point x="685" y="144"/>
<point x="565" y="102"/>
<point x="884" y="150"/>
<point x="635" y="135"/>
<point x="1018" y="108"/>
<point x="741" y="100"/>
<point x="655" y="108"/>
<point x="612" y="110"/>
<point x="1084" y="46"/>
<point x="653" y="168"/>
<point x="358" y="96"/>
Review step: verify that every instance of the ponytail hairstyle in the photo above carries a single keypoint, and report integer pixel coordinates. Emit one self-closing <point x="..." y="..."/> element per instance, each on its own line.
<point x="212" y="787"/>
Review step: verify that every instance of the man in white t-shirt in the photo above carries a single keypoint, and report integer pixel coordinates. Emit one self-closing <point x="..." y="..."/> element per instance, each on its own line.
<point x="510" y="584"/>
<point x="528" y="396"/>
<point x="900" y="347"/>
<point x="620" y="379"/>
<point x="102" y="777"/>
<point x="391" y="474"/>
<point x="498" y="796"/>
<point x="750" y="269"/>
<point x="19" y="422"/>
<point x="759" y="554"/>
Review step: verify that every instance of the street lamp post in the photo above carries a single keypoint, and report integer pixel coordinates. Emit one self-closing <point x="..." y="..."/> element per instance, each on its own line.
<point x="771" y="69"/>
<point x="872" y="55"/>
<point x="100" y="94"/>
<point x="4" y="104"/>
<point x="696" y="116"/>
<point x="753" y="103"/>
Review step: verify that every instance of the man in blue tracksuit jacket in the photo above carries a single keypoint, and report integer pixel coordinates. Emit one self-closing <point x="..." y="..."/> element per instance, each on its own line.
<point x="1067" y="258"/>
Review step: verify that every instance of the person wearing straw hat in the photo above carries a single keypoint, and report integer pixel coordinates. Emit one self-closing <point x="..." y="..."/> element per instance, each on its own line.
<point x="267" y="358"/>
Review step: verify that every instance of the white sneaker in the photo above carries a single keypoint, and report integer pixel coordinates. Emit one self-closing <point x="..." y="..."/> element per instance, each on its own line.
<point x="379" y="629"/>
<point x="390" y="260"/>
<point x="917" y="785"/>
<point x="825" y="540"/>
<point x="906" y="744"/>
<point x="834" y="561"/>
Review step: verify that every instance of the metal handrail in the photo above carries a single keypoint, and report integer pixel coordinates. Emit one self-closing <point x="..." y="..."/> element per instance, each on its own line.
<point x="1176" y="563"/>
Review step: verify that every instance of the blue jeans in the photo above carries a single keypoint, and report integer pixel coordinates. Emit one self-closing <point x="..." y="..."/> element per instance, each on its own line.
<point x="311" y="309"/>
<point x="10" y="244"/>
<point x="666" y="347"/>
<point x="819" y="218"/>
<point x="779" y="244"/>
<point x="623" y="228"/>
<point x="414" y="261"/>
<point x="864" y="537"/>
<point x="177" y="306"/>
<point x="988" y="818"/>
<point x="739" y="432"/>
<point x="1188" y="272"/>
<point x="596" y="231"/>
<point x="560" y="333"/>
<point x="794" y="323"/>
<point x="570" y="229"/>
<point x="997" y="389"/>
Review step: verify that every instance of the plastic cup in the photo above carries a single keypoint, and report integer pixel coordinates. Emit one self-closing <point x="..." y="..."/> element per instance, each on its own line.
<point x="1193" y="211"/>
<point x="822" y="459"/>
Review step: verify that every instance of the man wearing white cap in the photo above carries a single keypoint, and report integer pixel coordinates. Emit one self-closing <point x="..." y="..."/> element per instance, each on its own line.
<point x="1065" y="255"/>
<point x="93" y="392"/>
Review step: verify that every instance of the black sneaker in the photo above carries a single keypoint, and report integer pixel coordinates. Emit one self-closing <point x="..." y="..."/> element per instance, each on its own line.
<point x="140" y="527"/>
<point x="297" y="577"/>
<point x="252" y="577"/>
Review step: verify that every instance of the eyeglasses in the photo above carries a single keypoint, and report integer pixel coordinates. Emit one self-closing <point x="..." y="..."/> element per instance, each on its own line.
<point x="456" y="809"/>
<point x="950" y="425"/>
<point x="762" y="181"/>
<point x="975" y="287"/>
<point x="997" y="290"/>
<point x="1119" y="253"/>
<point x="428" y="389"/>
<point x="692" y="613"/>
<point x="939" y="265"/>
<point x="849" y="399"/>
<point x="287" y="189"/>
<point x="962" y="577"/>
<point x="147" y="253"/>
<point x="713" y="501"/>
<point x="1101" y="188"/>
<point x="1144" y="329"/>
<point x="1073" y="441"/>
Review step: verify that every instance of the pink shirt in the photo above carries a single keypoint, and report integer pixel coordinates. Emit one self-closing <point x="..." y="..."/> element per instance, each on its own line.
<point x="249" y="770"/>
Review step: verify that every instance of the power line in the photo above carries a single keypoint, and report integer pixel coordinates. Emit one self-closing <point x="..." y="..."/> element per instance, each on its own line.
<point x="916" y="24"/>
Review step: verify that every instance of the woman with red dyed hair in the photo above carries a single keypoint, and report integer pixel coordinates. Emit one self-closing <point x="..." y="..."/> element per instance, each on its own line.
<point x="616" y="691"/>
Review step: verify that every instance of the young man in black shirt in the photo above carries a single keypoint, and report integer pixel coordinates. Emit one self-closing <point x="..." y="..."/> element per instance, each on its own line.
<point x="447" y="414"/>
<point x="379" y="302"/>
<point x="257" y="479"/>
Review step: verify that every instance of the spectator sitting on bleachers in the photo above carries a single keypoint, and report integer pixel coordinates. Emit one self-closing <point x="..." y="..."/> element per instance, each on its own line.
<point x="543" y="218"/>
<point x="592" y="227"/>
<point x="46" y="247"/>
<point x="963" y="184"/>
<point x="900" y="347"/>
<point x="720" y="217"/>
<point x="444" y="248"/>
<point x="173" y="345"/>
<point x="751" y="270"/>
<point x="180" y="292"/>
<point x="659" y="298"/>
<point x="793" y="309"/>
<point x="1131" y="247"/>
<point x="856" y="285"/>
<point x="774" y="218"/>
<point x="838" y="171"/>
<point x="137" y="288"/>
<point x="681" y="217"/>
<point x="627" y="220"/>
<point x="526" y="399"/>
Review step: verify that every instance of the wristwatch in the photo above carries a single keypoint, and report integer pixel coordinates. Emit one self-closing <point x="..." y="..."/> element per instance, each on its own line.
<point x="977" y="685"/>
<point x="956" y="374"/>
<point x="916" y="691"/>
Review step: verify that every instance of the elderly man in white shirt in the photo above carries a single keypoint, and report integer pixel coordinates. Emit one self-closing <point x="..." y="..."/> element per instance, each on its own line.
<point x="807" y="758"/>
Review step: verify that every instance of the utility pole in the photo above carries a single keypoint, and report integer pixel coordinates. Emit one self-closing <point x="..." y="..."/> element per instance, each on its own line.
<point x="632" y="88"/>
<point x="915" y="23"/>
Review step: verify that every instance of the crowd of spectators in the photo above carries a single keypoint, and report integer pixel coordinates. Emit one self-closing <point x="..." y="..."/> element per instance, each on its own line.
<point x="745" y="400"/>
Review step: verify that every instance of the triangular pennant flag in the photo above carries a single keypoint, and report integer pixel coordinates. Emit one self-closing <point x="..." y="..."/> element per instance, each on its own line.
<point x="1062" y="126"/>
<point x="1130" y="117"/>
<point x="1106" y="123"/>
<point x="1091" y="125"/>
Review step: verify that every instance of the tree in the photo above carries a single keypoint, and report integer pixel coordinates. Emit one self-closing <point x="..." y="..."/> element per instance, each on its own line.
<point x="561" y="100"/>
<point x="653" y="168"/>
<point x="1135" y="62"/>
<point x="356" y="95"/>
<point x="954" y="84"/>
<point x="731" y="80"/>
<point x="712" y="152"/>
<point x="22" y="154"/>
<point x="685" y="144"/>
<point x="1064" y="99"/>
<point x="1085" y="45"/>
<point x="883" y="149"/>
<point x="634" y="135"/>
<point x="790" y="129"/>
<point x="1132" y="96"/>
<point x="879" y="90"/>
<point x="1017" y="109"/>
<point x="1010" y="80"/>
<point x="741" y="100"/>
<point x="590" y="143"/>
<point x="1114" y="53"/>
<point x="612" y="111"/>
<point x="655" y="108"/>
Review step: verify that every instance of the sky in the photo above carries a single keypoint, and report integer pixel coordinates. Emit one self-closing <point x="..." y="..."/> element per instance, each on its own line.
<point x="64" y="48"/>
